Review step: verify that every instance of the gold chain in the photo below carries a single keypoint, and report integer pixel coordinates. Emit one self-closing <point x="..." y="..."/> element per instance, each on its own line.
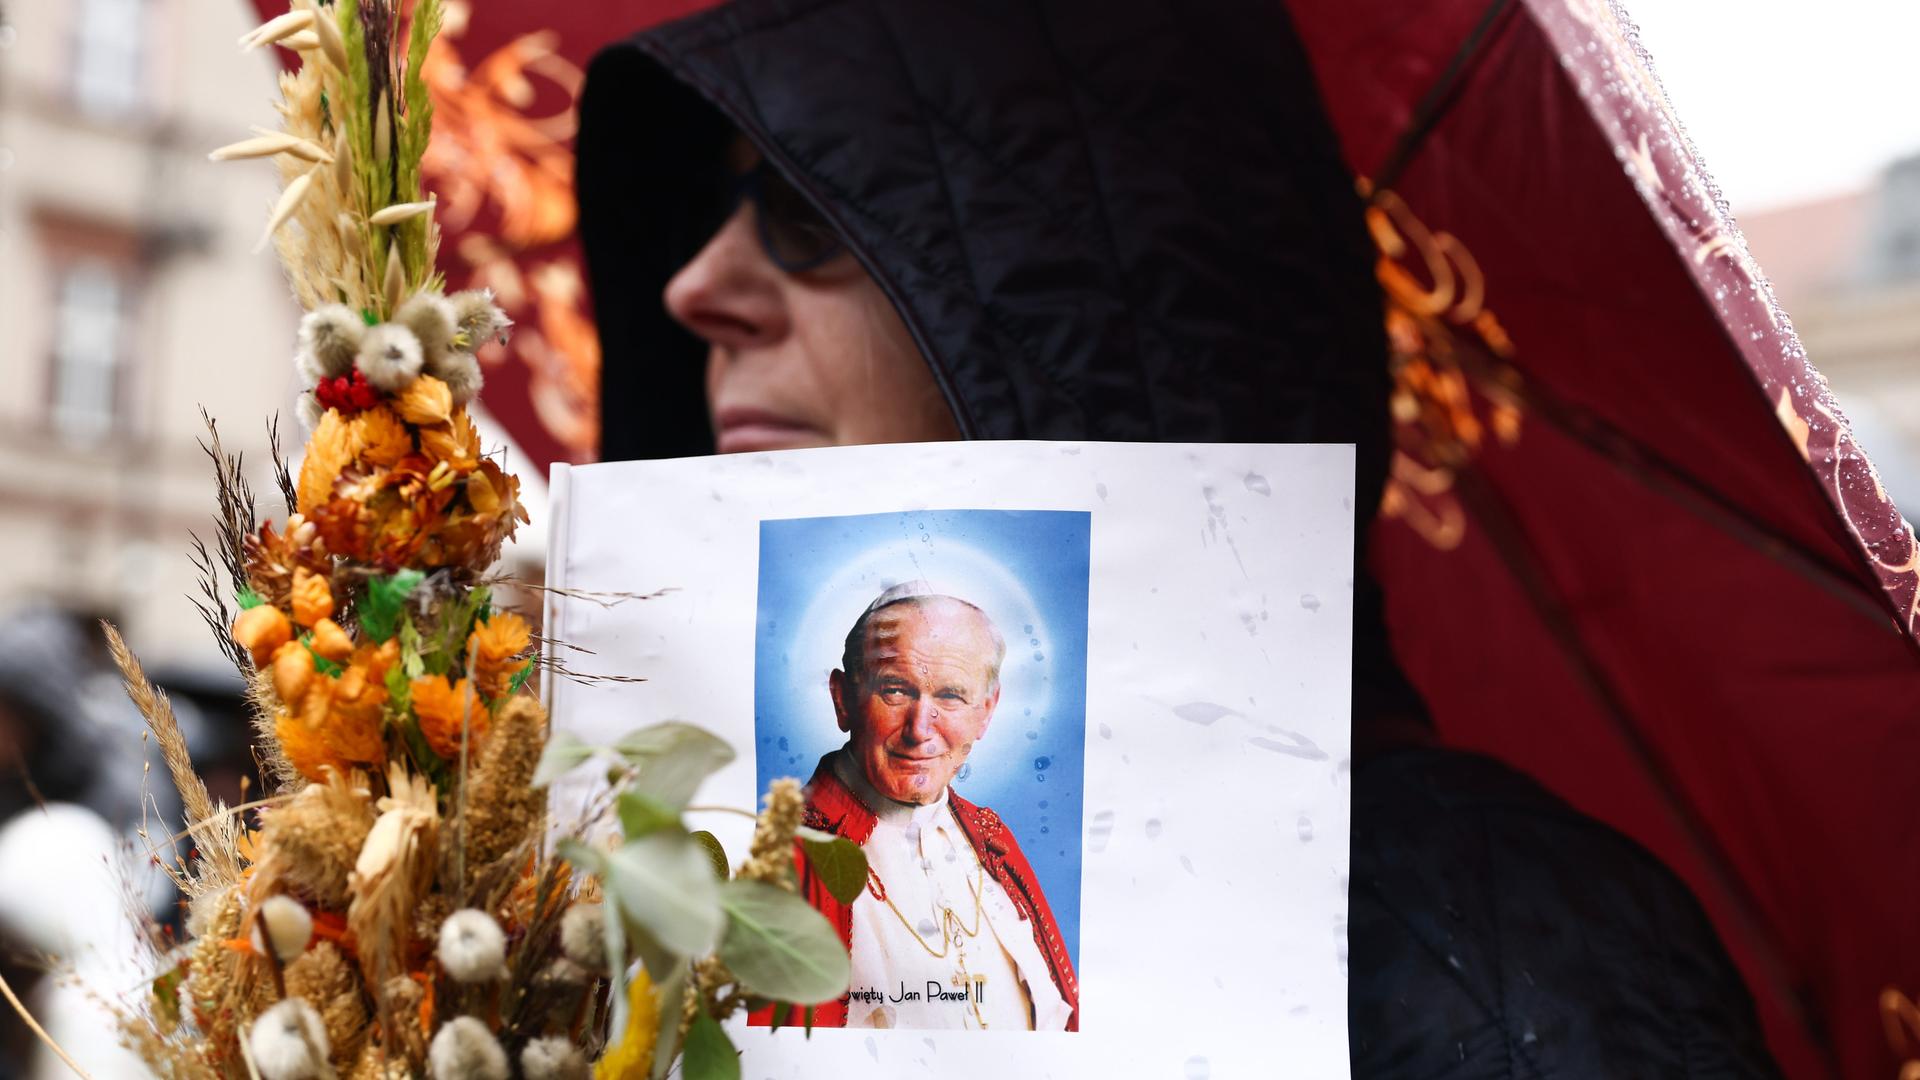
<point x="949" y="922"/>
<point x="949" y="919"/>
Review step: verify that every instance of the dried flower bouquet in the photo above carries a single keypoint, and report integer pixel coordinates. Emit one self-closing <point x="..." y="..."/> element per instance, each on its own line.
<point x="395" y="907"/>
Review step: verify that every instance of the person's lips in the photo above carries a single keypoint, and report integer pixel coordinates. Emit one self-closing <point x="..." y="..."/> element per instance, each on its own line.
<point x="743" y="429"/>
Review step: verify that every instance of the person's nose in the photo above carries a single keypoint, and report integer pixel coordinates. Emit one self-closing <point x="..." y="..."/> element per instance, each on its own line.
<point x="729" y="294"/>
<point x="920" y="721"/>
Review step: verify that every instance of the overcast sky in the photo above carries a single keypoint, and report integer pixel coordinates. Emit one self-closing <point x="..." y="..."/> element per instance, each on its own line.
<point x="1789" y="99"/>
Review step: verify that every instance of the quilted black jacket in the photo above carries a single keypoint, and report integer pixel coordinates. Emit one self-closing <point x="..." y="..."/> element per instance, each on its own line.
<point x="1108" y="219"/>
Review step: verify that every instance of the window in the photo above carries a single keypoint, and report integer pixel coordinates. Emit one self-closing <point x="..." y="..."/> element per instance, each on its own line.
<point x="89" y="326"/>
<point x="107" y="68"/>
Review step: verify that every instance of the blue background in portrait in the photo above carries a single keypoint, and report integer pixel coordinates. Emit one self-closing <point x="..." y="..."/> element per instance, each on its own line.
<point x="1029" y="570"/>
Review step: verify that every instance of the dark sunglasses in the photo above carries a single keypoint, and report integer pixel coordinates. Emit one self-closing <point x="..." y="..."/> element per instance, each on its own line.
<point x="793" y="233"/>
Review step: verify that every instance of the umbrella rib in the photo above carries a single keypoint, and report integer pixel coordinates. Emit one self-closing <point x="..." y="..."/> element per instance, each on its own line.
<point x="1667" y="478"/>
<point x="1440" y="96"/>
<point x="1504" y="531"/>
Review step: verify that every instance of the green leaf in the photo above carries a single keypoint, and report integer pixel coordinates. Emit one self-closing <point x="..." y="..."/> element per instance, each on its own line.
<point x="411" y="139"/>
<point x="673" y="992"/>
<point x="809" y="1021"/>
<point x="715" y="852"/>
<point x="399" y="691"/>
<point x="673" y="759"/>
<point x="520" y="678"/>
<point x="841" y="864"/>
<point x="384" y="604"/>
<point x="802" y="832"/>
<point x="166" y="991"/>
<point x="779" y="947"/>
<point x="564" y="751"/>
<point x="709" y="1054"/>
<point x="594" y="861"/>
<point x="641" y="815"/>
<point x="247" y="598"/>
<point x="662" y="882"/>
<point x="411" y="649"/>
<point x="781" y="1014"/>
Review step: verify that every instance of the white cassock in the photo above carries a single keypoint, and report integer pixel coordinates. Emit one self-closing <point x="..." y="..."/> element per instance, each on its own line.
<point x="928" y="869"/>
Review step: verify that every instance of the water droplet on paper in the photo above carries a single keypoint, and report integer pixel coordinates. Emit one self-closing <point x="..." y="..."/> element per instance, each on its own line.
<point x="1197" y="1068"/>
<point x="1153" y="828"/>
<point x="1042" y="763"/>
<point x="1304" y="827"/>
<point x="1106" y="732"/>
<point x="1258" y="484"/>
<point x="1295" y="745"/>
<point x="1188" y="863"/>
<point x="873" y="1048"/>
<point x="1310" y="601"/>
<point x="1100" y="490"/>
<point x="1202" y="712"/>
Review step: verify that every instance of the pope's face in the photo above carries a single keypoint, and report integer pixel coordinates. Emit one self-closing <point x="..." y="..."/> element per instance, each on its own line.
<point x="927" y="696"/>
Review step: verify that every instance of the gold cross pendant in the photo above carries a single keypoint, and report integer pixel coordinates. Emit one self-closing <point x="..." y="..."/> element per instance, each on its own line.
<point x="976" y="985"/>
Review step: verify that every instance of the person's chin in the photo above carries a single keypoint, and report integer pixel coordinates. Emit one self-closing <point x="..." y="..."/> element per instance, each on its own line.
<point x="912" y="785"/>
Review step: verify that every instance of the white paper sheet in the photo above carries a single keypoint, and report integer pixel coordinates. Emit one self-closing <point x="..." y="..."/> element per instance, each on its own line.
<point x="1214" y="810"/>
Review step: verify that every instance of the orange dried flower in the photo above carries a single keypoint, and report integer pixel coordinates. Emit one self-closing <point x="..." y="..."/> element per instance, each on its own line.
<point x="306" y="750"/>
<point x="494" y="649"/>
<point x="312" y="597"/>
<point x="261" y="630"/>
<point x="443" y="708"/>
<point x="425" y="401"/>
<point x="292" y="670"/>
<point x="331" y="642"/>
<point x="383" y="438"/>
<point x="457" y="442"/>
<point x="330" y="449"/>
<point x="353" y="728"/>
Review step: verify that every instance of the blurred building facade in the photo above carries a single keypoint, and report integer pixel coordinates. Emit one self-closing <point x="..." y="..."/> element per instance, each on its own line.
<point x="134" y="297"/>
<point x="1847" y="269"/>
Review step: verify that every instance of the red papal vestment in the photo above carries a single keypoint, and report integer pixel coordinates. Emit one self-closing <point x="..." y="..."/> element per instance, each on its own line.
<point x="833" y="807"/>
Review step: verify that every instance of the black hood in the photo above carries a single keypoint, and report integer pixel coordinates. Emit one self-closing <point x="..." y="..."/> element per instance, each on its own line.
<point x="1100" y="219"/>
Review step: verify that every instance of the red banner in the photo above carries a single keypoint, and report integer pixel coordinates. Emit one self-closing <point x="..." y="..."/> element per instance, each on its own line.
<point x="505" y="78"/>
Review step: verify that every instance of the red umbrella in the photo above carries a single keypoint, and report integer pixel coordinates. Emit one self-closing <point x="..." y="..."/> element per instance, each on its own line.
<point x="1630" y="545"/>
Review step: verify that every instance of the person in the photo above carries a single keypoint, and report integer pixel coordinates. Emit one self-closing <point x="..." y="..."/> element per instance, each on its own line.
<point x="953" y="929"/>
<point x="1093" y="220"/>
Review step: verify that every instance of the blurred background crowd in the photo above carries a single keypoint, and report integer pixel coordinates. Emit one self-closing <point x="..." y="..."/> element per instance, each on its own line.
<point x="133" y="297"/>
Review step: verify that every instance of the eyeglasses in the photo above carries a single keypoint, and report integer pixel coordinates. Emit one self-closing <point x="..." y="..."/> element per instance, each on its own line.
<point x="793" y="233"/>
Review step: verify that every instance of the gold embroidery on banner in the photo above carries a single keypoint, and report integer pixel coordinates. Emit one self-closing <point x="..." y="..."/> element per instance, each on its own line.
<point x="489" y="150"/>
<point x="1442" y="417"/>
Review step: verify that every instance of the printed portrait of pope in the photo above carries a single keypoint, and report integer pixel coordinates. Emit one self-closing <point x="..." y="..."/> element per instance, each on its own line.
<point x="952" y="930"/>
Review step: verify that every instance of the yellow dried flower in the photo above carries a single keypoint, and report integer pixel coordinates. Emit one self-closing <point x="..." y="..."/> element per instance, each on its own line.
<point x="261" y="630"/>
<point x="443" y="709"/>
<point x="312" y="597"/>
<point x="425" y="401"/>
<point x="457" y="442"/>
<point x="494" y="649"/>
<point x="632" y="1057"/>
<point x="330" y="449"/>
<point x="383" y="438"/>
